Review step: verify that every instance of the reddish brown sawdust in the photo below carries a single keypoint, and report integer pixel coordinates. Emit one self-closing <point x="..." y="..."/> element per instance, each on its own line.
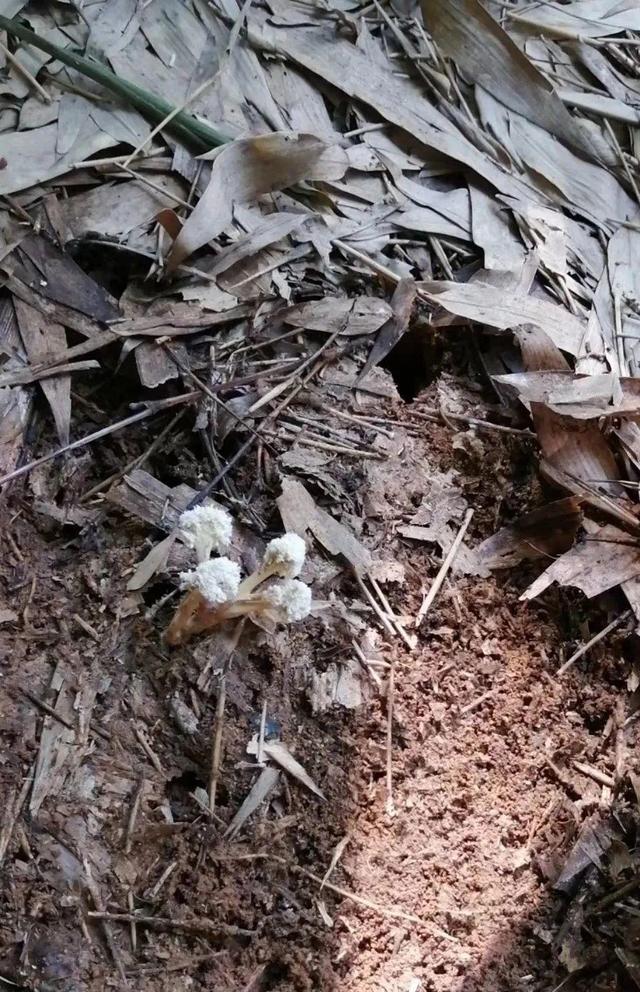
<point x="468" y="792"/>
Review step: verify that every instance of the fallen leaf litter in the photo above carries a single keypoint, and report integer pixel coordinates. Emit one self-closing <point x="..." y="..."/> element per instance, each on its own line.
<point x="341" y="299"/>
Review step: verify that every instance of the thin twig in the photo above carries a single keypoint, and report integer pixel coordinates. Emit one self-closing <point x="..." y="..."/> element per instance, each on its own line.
<point x="216" y="749"/>
<point x="600" y="777"/>
<point x="100" y="914"/>
<point x="206" y="928"/>
<point x="135" y="462"/>
<point x="133" y="816"/>
<point x="155" y="186"/>
<point x="33" y="82"/>
<point x="169" y="117"/>
<point x="444" y="568"/>
<point x="594" y="640"/>
<point x="390" y="701"/>
<point x="390" y="912"/>
<point x="13" y="808"/>
<point x="150" y="411"/>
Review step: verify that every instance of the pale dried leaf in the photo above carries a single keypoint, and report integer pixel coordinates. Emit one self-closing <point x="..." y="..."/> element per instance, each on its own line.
<point x="260" y="790"/>
<point x="606" y="558"/>
<point x="281" y="754"/>
<point x="485" y="54"/>
<point x="353" y="316"/>
<point x="249" y="168"/>
<point x="300" y="513"/>
<point x="503" y="309"/>
<point x="153" y="562"/>
<point x="32" y="157"/>
<point x="44" y="342"/>
<point x="544" y="532"/>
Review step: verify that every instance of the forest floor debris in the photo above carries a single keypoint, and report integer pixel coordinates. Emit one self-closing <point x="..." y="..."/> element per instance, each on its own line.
<point x="395" y="314"/>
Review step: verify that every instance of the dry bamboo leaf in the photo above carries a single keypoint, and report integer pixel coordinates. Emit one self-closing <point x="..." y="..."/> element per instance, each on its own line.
<point x="300" y="513"/>
<point x="576" y="455"/>
<point x="273" y="228"/>
<point x="44" y="341"/>
<point x="610" y="317"/>
<point x="281" y="754"/>
<point x="248" y="168"/>
<point x="15" y="403"/>
<point x="556" y="171"/>
<point x="590" y="849"/>
<point x="494" y="232"/>
<point x="544" y="532"/>
<point x="607" y="558"/>
<point x="351" y="316"/>
<point x="580" y="19"/>
<point x="261" y="788"/>
<point x="402" y="302"/>
<point x="485" y="54"/>
<point x="120" y="210"/>
<point x="320" y="48"/>
<point x="56" y="744"/>
<point x="153" y="562"/>
<point x="31" y="156"/>
<point x="583" y="397"/>
<point x="56" y="276"/>
<point x="500" y="308"/>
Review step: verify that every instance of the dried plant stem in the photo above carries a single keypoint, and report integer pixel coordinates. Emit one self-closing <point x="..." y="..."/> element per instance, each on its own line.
<point x="594" y="640"/>
<point x="12" y="809"/>
<point x="444" y="569"/>
<point x="133" y="815"/>
<point x="389" y="912"/>
<point x="98" y="435"/>
<point x="193" y="132"/>
<point x="155" y="186"/>
<point x="96" y="896"/>
<point x="137" y="461"/>
<point x="168" y="118"/>
<point x="205" y="928"/>
<point x="391" y="685"/>
<point x="18" y="66"/>
<point x="216" y="750"/>
<point x="594" y="773"/>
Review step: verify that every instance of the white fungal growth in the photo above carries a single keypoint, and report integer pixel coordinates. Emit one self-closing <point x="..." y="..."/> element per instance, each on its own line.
<point x="207" y="529"/>
<point x="217" y="580"/>
<point x="285" y="556"/>
<point x="291" y="598"/>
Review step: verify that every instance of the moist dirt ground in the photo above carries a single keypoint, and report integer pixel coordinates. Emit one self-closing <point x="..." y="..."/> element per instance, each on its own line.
<point x="446" y="884"/>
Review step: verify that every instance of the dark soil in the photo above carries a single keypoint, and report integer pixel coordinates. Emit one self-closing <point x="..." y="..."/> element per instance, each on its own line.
<point x="486" y="805"/>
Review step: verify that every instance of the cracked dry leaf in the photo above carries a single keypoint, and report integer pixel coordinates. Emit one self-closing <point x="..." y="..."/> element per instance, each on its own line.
<point x="544" y="532"/>
<point x="322" y="50"/>
<point x="608" y="557"/>
<point x="485" y="54"/>
<point x="249" y="168"/>
<point x="583" y="397"/>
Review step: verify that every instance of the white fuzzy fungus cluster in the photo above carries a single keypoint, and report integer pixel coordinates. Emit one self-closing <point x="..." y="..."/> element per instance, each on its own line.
<point x="217" y="580"/>
<point x="206" y="528"/>
<point x="285" y="556"/>
<point x="291" y="598"/>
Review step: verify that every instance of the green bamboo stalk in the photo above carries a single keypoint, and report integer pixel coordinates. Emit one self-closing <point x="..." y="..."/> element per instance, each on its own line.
<point x="196" y="134"/>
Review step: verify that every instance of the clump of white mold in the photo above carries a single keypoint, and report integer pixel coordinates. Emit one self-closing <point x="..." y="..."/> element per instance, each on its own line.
<point x="215" y="589"/>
